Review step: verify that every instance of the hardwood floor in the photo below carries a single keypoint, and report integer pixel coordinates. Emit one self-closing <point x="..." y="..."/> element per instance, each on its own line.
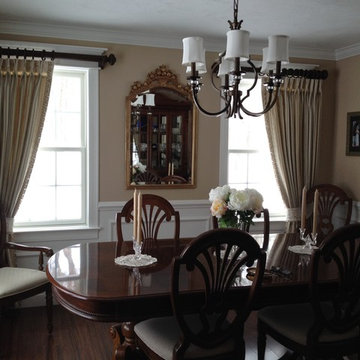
<point x="24" y="337"/>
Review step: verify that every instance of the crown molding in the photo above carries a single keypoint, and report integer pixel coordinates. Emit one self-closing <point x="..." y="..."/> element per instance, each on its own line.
<point x="162" y="40"/>
<point x="89" y="34"/>
<point x="347" y="52"/>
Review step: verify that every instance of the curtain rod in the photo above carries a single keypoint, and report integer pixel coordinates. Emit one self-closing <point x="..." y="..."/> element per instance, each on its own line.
<point x="295" y="73"/>
<point x="102" y="60"/>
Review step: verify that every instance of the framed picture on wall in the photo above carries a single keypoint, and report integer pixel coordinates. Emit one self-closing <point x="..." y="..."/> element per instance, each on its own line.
<point x="353" y="134"/>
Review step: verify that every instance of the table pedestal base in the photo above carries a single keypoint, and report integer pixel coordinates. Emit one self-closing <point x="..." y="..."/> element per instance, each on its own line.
<point x="123" y="341"/>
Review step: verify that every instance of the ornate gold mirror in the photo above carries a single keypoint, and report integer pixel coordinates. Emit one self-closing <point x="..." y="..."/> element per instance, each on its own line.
<point x="160" y="132"/>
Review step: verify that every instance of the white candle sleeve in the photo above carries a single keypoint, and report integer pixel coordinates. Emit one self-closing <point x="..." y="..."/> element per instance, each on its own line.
<point x="135" y="215"/>
<point x="315" y="212"/>
<point x="303" y="209"/>
<point x="139" y="204"/>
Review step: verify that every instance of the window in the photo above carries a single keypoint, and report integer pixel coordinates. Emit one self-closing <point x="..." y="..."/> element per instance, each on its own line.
<point x="245" y="149"/>
<point x="59" y="191"/>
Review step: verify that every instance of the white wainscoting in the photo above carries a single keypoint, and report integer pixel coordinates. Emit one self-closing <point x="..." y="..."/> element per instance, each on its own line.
<point x="194" y="215"/>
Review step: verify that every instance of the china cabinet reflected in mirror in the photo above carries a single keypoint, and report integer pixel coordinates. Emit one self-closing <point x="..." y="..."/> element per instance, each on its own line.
<point x="160" y="133"/>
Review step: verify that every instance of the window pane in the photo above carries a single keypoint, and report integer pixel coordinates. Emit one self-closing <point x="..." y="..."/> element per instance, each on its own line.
<point x="63" y="117"/>
<point x="247" y="133"/>
<point x="67" y="93"/>
<point x="68" y="169"/>
<point x="38" y="205"/>
<point x="68" y="129"/>
<point x="68" y="202"/>
<point x="238" y="165"/>
<point x="44" y="169"/>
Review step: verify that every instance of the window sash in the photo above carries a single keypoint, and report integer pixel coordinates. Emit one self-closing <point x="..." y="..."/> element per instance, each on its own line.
<point x="225" y="168"/>
<point x="87" y="150"/>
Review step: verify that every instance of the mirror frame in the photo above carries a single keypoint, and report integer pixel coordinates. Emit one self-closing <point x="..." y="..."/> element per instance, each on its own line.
<point x="162" y="77"/>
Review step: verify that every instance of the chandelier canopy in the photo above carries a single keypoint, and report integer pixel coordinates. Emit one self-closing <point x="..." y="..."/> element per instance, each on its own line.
<point x="230" y="70"/>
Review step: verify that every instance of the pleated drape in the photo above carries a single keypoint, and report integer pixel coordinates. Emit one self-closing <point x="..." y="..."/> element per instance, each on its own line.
<point x="293" y="131"/>
<point x="24" y="94"/>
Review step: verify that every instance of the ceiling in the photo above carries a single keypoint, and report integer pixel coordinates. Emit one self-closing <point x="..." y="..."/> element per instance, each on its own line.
<point x="327" y="29"/>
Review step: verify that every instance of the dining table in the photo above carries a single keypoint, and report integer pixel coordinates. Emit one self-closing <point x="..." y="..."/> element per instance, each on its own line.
<point x="88" y="282"/>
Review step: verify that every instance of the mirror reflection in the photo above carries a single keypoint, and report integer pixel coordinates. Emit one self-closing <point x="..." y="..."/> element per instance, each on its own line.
<point x="160" y="132"/>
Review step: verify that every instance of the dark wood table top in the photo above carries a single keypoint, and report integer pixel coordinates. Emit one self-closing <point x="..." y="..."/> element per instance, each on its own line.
<point x="87" y="281"/>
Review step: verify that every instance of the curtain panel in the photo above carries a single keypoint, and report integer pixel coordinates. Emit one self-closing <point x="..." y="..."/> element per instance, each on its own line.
<point x="24" y="94"/>
<point x="293" y="127"/>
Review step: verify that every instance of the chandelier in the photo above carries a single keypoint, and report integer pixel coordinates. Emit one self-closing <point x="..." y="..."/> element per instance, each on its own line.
<point x="230" y="70"/>
<point x="145" y="99"/>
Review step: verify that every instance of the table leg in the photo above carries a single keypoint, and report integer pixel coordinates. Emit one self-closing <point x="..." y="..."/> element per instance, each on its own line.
<point x="123" y="340"/>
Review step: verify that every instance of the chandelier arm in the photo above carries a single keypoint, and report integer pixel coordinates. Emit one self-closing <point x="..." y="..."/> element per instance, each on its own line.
<point x="213" y="75"/>
<point x="270" y="103"/>
<point x="218" y="113"/>
<point x="248" y="91"/>
<point x="229" y="109"/>
<point x="214" y="70"/>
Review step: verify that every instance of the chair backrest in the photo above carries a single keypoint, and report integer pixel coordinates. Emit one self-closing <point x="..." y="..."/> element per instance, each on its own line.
<point x="174" y="179"/>
<point x="212" y="261"/>
<point x="147" y="177"/>
<point x="340" y="253"/>
<point x="156" y="210"/>
<point x="331" y="196"/>
<point x="266" y="218"/>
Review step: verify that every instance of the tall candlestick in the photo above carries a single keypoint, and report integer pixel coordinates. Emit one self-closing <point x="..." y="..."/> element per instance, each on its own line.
<point x="139" y="204"/>
<point x="315" y="212"/>
<point x="135" y="214"/>
<point x="303" y="209"/>
<point x="172" y="168"/>
<point x="169" y="169"/>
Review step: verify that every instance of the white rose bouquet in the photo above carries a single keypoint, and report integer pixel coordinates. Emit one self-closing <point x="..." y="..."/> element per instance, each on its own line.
<point x="235" y="208"/>
<point x="137" y="168"/>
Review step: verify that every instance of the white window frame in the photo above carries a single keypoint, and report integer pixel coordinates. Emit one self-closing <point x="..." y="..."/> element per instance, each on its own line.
<point x="92" y="154"/>
<point x="224" y="162"/>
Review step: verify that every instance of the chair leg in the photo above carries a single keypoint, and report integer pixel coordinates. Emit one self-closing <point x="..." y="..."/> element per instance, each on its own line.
<point x="261" y="342"/>
<point x="49" y="309"/>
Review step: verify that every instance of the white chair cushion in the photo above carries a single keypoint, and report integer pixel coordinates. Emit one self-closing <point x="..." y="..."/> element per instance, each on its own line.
<point x="15" y="280"/>
<point x="161" y="334"/>
<point x="295" y="320"/>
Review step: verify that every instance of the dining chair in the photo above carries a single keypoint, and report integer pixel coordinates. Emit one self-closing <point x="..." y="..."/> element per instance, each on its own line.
<point x="173" y="179"/>
<point x="322" y="328"/>
<point x="331" y="199"/>
<point x="266" y="229"/>
<point x="147" y="177"/>
<point x="156" y="211"/>
<point x="212" y="261"/>
<point x="17" y="283"/>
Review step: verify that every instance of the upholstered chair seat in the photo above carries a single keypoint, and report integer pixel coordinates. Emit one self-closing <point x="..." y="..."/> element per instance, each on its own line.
<point x="17" y="280"/>
<point x="18" y="283"/>
<point x="160" y="335"/>
<point x="296" y="320"/>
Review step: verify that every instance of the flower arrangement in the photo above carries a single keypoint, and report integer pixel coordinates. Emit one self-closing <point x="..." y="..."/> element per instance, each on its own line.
<point x="137" y="168"/>
<point x="234" y="207"/>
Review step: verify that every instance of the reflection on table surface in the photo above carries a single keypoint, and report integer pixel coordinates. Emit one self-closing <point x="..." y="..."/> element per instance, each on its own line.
<point x="89" y="269"/>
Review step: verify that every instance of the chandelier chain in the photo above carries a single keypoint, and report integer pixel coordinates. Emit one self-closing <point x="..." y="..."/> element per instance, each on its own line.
<point x="235" y="24"/>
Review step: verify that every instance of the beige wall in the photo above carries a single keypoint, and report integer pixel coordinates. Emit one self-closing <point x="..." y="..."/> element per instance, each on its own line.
<point x="134" y="63"/>
<point x="346" y="169"/>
